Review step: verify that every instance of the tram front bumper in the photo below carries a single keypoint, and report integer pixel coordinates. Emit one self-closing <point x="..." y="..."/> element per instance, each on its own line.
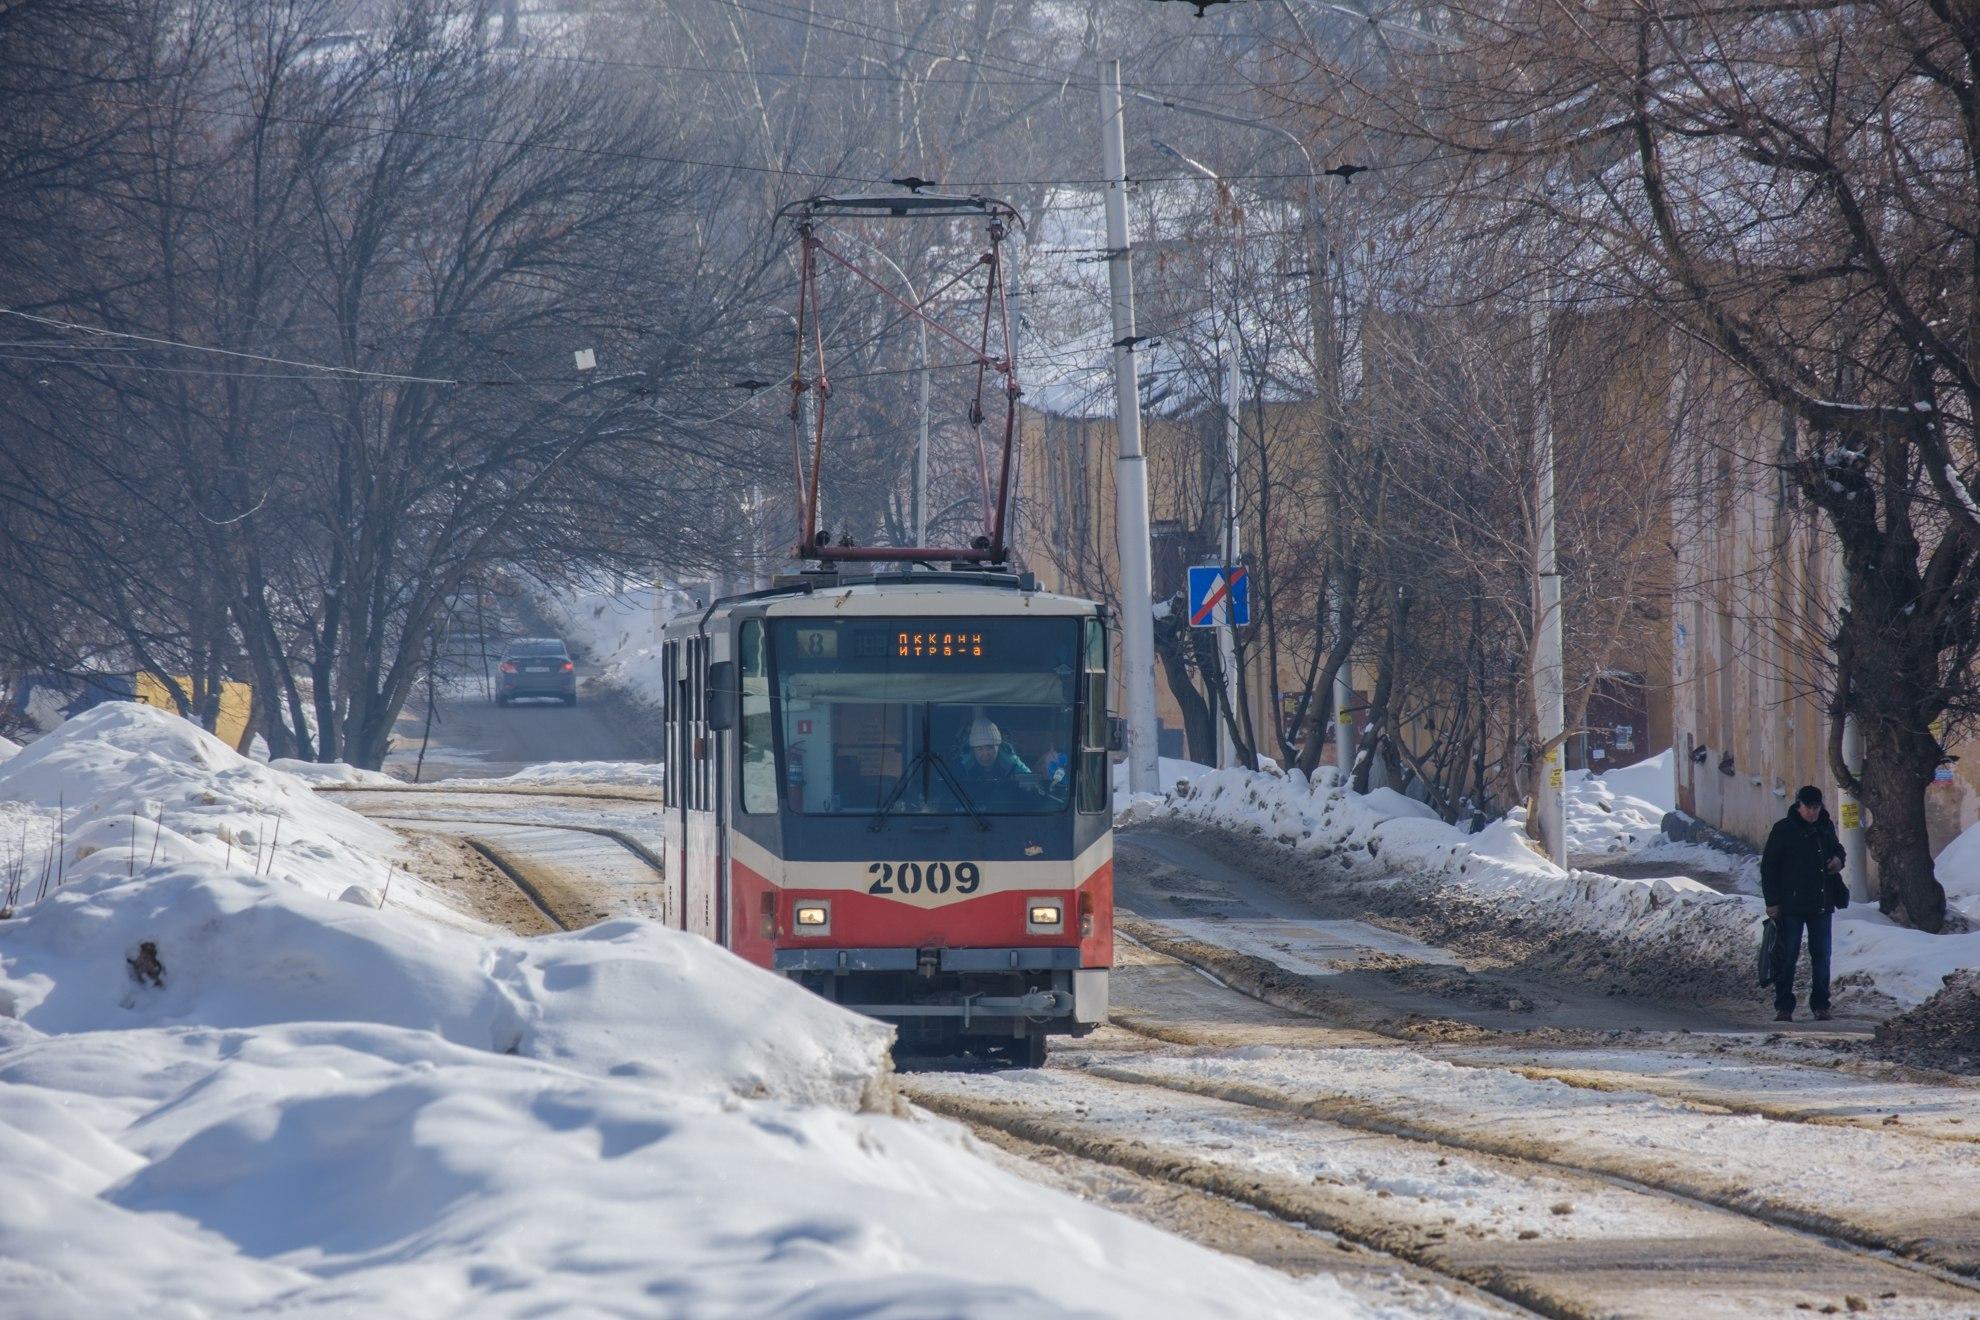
<point x="1060" y="988"/>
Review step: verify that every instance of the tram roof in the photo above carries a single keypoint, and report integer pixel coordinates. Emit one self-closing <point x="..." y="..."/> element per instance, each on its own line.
<point x="896" y="594"/>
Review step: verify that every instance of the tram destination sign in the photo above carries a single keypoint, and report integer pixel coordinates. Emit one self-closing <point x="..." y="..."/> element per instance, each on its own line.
<point x="890" y="641"/>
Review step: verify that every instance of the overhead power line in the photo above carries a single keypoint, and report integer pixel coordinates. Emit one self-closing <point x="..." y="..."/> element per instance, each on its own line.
<point x="323" y="367"/>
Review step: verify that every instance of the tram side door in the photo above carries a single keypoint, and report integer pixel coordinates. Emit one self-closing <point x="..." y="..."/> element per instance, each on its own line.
<point x="678" y="784"/>
<point x="719" y="791"/>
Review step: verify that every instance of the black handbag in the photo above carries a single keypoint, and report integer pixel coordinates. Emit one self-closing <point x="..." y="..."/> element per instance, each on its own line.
<point x="1769" y="933"/>
<point x="1838" y="892"/>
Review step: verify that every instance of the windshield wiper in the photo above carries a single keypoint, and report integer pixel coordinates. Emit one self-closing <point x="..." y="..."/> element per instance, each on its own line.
<point x="955" y="786"/>
<point x="894" y="794"/>
<point x="893" y="798"/>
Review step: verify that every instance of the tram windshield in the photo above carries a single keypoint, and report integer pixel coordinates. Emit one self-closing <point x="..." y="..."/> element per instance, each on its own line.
<point x="922" y="716"/>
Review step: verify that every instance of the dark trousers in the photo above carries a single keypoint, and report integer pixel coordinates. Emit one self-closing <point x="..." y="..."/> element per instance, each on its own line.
<point x="1787" y="952"/>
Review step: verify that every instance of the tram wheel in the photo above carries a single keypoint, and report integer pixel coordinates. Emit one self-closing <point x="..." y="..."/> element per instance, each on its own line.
<point x="1026" y="1051"/>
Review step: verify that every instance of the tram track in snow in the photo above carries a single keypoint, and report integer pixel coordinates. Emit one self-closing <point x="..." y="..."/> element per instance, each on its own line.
<point x="1726" y="1246"/>
<point x="1674" y="1163"/>
<point x="1542" y="1236"/>
<point x="547" y="841"/>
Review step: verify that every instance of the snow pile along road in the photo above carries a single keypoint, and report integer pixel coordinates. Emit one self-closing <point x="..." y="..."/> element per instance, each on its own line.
<point x="1495" y="882"/>
<point x="620" y="631"/>
<point x="234" y="1086"/>
<point x="1958" y="869"/>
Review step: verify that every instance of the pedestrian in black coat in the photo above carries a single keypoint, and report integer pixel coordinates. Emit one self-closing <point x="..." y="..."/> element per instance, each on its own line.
<point x="1800" y="873"/>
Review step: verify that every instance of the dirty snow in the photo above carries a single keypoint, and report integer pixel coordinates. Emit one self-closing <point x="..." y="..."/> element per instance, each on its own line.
<point x="1857" y="1175"/>
<point x="1501" y="868"/>
<point x="234" y="1083"/>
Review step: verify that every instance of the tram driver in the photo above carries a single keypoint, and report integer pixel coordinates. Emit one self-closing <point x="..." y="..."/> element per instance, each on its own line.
<point x="988" y="758"/>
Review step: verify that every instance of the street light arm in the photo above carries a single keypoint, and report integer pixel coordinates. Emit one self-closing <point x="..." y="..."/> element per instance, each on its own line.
<point x="1186" y="162"/>
<point x="1204" y="112"/>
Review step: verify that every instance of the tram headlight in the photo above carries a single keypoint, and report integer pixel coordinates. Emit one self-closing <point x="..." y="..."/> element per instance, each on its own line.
<point x="1045" y="916"/>
<point x="812" y="917"/>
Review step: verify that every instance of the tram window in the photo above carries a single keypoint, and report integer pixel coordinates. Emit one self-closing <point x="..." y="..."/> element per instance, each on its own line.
<point x="698" y="669"/>
<point x="861" y="726"/>
<point x="1095" y="781"/>
<point x="757" y="764"/>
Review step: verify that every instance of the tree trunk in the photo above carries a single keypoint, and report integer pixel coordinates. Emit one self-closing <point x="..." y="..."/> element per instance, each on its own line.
<point x="1199" y="731"/>
<point x="1897" y="838"/>
<point x="1379" y="720"/>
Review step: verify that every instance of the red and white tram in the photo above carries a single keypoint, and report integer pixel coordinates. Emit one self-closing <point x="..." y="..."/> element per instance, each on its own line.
<point x="895" y="788"/>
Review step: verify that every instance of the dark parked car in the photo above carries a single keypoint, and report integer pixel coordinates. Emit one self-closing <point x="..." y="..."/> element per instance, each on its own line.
<point x="536" y="667"/>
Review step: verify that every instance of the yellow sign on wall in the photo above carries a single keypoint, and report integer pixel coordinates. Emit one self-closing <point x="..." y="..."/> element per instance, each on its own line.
<point x="236" y="704"/>
<point x="1852" y="815"/>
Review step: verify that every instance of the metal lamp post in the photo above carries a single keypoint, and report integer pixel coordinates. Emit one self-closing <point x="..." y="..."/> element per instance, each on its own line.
<point x="1228" y="362"/>
<point x="1321" y="325"/>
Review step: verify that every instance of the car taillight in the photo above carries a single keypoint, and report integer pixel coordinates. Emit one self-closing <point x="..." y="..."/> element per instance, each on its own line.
<point x="508" y="666"/>
<point x="568" y="666"/>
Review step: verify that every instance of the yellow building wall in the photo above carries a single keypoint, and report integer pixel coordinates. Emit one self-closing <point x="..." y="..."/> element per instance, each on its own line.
<point x="236" y="705"/>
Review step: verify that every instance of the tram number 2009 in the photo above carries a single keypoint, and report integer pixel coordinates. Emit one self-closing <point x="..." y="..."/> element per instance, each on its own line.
<point x="915" y="877"/>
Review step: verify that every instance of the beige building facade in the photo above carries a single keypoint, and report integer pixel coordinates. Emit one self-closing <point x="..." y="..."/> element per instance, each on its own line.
<point x="1757" y="583"/>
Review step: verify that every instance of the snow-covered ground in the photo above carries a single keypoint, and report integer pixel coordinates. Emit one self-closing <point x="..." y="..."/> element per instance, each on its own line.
<point x="625" y="774"/>
<point x="234" y="1083"/>
<point x="1374" y="837"/>
<point x="318" y="773"/>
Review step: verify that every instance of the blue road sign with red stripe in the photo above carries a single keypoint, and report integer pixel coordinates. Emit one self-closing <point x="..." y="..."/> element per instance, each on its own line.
<point x="1211" y="585"/>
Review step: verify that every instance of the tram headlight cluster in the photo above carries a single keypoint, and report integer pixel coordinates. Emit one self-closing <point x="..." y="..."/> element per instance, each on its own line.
<point x="812" y="917"/>
<point x="1045" y="916"/>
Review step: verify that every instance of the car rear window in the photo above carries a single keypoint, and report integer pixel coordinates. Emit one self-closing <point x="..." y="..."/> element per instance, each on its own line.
<point x="536" y="648"/>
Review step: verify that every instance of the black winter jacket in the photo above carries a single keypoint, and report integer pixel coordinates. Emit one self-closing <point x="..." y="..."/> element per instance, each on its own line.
<point x="1794" y="869"/>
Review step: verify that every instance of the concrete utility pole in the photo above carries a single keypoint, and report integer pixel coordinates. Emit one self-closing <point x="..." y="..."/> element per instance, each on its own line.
<point x="918" y="515"/>
<point x="1226" y="634"/>
<point x="1549" y="696"/>
<point x="1130" y="468"/>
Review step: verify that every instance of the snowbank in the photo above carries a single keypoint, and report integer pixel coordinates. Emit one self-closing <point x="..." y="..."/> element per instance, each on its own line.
<point x="1170" y="773"/>
<point x="8" y="747"/>
<point x="375" y="1171"/>
<point x="251" y="929"/>
<point x="332" y="772"/>
<point x="1958" y="869"/>
<point x="632" y="774"/>
<point x="1369" y="839"/>
<point x="227" y="1090"/>
<point x="1652" y="780"/>
<point x="141" y="785"/>
<point x="620" y="630"/>
<point x="1620" y="812"/>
